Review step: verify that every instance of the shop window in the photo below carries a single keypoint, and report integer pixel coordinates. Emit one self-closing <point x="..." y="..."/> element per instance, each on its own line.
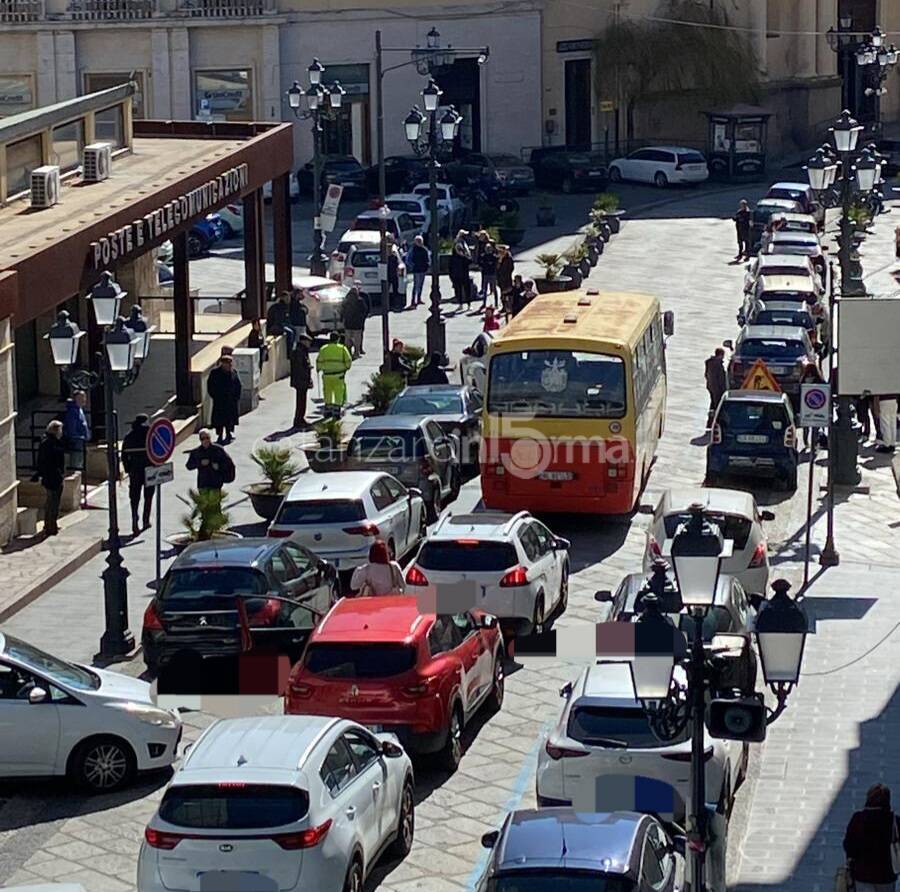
<point x="93" y="83"/>
<point x="21" y="158"/>
<point x="16" y="94"/>
<point x="109" y="127"/>
<point x="223" y="95"/>
<point x="67" y="146"/>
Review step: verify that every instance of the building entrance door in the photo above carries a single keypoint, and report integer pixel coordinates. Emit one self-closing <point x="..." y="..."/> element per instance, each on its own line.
<point x="578" y="103"/>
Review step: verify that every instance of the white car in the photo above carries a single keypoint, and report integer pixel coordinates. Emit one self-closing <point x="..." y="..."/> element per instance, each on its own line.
<point x="660" y="165"/>
<point x="399" y="224"/>
<point x="338" y="514"/>
<point x="417" y="207"/>
<point x="97" y="727"/>
<point x="473" y="362"/>
<point x="603" y="736"/>
<point x="801" y="291"/>
<point x="233" y="217"/>
<point x="323" y="299"/>
<point x="451" y="207"/>
<point x="780" y="265"/>
<point x="287" y="802"/>
<point x="361" y="269"/>
<point x="512" y="565"/>
<point x="738" y="517"/>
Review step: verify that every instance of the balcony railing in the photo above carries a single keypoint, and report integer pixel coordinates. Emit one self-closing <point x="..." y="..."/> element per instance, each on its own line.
<point x="110" y="10"/>
<point x="21" y="11"/>
<point x="226" y="8"/>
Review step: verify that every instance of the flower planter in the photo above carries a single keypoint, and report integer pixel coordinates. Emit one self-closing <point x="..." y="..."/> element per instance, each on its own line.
<point x="574" y="273"/>
<point x="265" y="502"/>
<point x="557" y="283"/>
<point x="325" y="458"/>
<point x="180" y="541"/>
<point x="615" y="221"/>
<point x="511" y="237"/>
<point x="593" y="255"/>
<point x="546" y="217"/>
<point x="585" y="265"/>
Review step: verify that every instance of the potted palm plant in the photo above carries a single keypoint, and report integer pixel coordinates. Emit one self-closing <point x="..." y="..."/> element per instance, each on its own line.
<point x="608" y="204"/>
<point x="578" y="255"/>
<point x="330" y="451"/>
<point x="207" y="519"/>
<point x="382" y="388"/>
<point x="279" y="468"/>
<point x="552" y="280"/>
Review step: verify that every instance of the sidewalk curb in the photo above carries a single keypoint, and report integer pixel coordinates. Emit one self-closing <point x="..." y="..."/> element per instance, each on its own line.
<point x="90" y="549"/>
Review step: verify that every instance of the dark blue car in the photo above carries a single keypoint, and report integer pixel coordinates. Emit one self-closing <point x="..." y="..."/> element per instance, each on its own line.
<point x="754" y="435"/>
<point x="205" y="233"/>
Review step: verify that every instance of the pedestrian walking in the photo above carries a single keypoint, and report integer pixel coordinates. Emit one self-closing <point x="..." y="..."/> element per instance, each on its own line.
<point x="212" y="463"/>
<point x="887" y="424"/>
<point x="872" y="843"/>
<point x="716" y="381"/>
<point x="278" y="320"/>
<point x="135" y="461"/>
<point x="397" y="300"/>
<point x="354" y="312"/>
<point x="488" y="266"/>
<point x="432" y="372"/>
<point x="418" y="262"/>
<point x="380" y="576"/>
<point x="505" y="271"/>
<point x="460" y="261"/>
<point x="51" y="471"/>
<point x="76" y="430"/>
<point x="224" y="388"/>
<point x="742" y="220"/>
<point x="491" y="322"/>
<point x="334" y="362"/>
<point x="301" y="378"/>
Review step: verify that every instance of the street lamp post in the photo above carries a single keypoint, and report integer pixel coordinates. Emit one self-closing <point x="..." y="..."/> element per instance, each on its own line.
<point x="321" y="102"/>
<point x="126" y="344"/>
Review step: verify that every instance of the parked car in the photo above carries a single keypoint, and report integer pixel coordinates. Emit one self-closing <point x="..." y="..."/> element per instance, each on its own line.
<point x="473" y="362"/>
<point x="660" y="165"/>
<point x="516" y="568"/>
<point x="450" y="205"/>
<point x="501" y="171"/>
<point x="400" y="173"/>
<point x="602" y="731"/>
<point x="804" y="195"/>
<point x="338" y="514"/>
<point x="286" y="802"/>
<point x="399" y="224"/>
<point x="787" y="353"/>
<point x="457" y="409"/>
<point x="323" y="299"/>
<point x="338" y="260"/>
<point x="800" y="291"/>
<point x="802" y="244"/>
<point x="781" y="312"/>
<point x="737" y="515"/>
<point x="232" y="219"/>
<point x="361" y="270"/>
<point x="280" y="586"/>
<point x="571" y="170"/>
<point x="96" y="727"/>
<point x="389" y="666"/>
<point x="293" y="189"/>
<point x="765" y="264"/>
<point x="565" y="849"/>
<point x="164" y="275"/>
<point x="765" y="209"/>
<point x="417" y="207"/>
<point x="204" y="234"/>
<point x="344" y="170"/>
<point x="753" y="434"/>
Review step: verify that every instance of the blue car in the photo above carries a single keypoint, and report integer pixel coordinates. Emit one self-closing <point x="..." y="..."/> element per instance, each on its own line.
<point x="205" y="233"/>
<point x="559" y="848"/>
<point x="753" y="434"/>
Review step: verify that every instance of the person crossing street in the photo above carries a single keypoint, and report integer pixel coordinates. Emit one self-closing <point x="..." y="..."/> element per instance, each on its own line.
<point x="334" y="362"/>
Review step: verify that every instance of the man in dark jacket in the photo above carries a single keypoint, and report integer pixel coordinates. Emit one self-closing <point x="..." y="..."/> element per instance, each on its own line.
<point x="505" y="268"/>
<point x="135" y="462"/>
<point x="51" y="471"/>
<point x="716" y="381"/>
<point x="742" y="224"/>
<point x="301" y="378"/>
<point x="278" y="320"/>
<point x="458" y="268"/>
<point x="431" y="372"/>
<point x="397" y="362"/>
<point x="354" y="312"/>
<point x="224" y="389"/>
<point x="868" y="840"/>
<point x="212" y="463"/>
<point x="516" y="296"/>
<point x="418" y="261"/>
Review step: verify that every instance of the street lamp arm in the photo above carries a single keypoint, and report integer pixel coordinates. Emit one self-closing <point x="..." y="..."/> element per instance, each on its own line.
<point x="782" y="691"/>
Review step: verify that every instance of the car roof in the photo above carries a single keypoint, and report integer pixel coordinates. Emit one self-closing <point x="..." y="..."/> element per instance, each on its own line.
<point x="787" y="203"/>
<point x="483" y="525"/>
<point x="792" y="235"/>
<point x="226" y="552"/>
<point x="754" y="396"/>
<point x="772" y="332"/>
<point x="434" y="388"/>
<point x="389" y="423"/>
<point x="608" y="679"/>
<point x="797" y="187"/>
<point x="333" y="485"/>
<point x="361" y="235"/>
<point x="774" y="259"/>
<point x="794" y="216"/>
<point x="385" y="619"/>
<point x="312" y="282"/>
<point x="405" y="196"/>
<point x="251" y="746"/>
<point x="562" y="837"/>
<point x="375" y="214"/>
<point x="668" y="149"/>
<point x="781" y="282"/>
<point x="715" y="498"/>
<point x="633" y="583"/>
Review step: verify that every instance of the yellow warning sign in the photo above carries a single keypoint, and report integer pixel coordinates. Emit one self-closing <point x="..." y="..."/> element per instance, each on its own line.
<point x="760" y="378"/>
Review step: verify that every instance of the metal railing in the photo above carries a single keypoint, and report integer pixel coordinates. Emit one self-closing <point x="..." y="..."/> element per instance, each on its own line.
<point x="110" y="10"/>
<point x="13" y="11"/>
<point x="226" y="8"/>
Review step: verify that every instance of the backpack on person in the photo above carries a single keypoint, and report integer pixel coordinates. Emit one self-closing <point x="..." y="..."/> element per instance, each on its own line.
<point x="229" y="472"/>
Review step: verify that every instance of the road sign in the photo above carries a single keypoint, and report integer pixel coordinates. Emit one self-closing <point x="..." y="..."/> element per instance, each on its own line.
<point x="815" y="405"/>
<point x="159" y="474"/>
<point x="160" y="441"/>
<point x="760" y="378"/>
<point x="329" y="212"/>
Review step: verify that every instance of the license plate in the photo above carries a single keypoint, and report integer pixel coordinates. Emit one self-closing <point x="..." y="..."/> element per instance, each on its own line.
<point x="752" y="438"/>
<point x="556" y="475"/>
<point x="777" y="369"/>
<point x="595" y="173"/>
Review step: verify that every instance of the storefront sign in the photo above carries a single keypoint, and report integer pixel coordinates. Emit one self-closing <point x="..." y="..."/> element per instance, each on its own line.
<point x="575" y="46"/>
<point x="134" y="236"/>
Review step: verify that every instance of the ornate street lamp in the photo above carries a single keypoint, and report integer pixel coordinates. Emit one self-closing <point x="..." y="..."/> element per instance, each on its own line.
<point x="315" y="72"/>
<point x="845" y="132"/>
<point x="295" y="96"/>
<point x="138" y="325"/>
<point x="781" y="628"/>
<point x="658" y="647"/>
<point x="336" y="95"/>
<point x="431" y="96"/>
<point x="64" y="337"/>
<point x="106" y="298"/>
<point x="413" y="124"/>
<point x="697" y="551"/>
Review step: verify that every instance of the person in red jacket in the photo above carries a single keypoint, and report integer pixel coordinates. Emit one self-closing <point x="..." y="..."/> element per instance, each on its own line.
<point x="868" y="841"/>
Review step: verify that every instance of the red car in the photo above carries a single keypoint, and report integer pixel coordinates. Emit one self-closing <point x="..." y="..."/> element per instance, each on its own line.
<point x="383" y="664"/>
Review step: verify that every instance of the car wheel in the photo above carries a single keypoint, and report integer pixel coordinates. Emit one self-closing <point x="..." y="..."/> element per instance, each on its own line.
<point x="537" y="619"/>
<point x="615" y="175"/>
<point x="102" y="764"/>
<point x="660" y="180"/>
<point x="354" y="880"/>
<point x="495" y="698"/>
<point x="455" y="484"/>
<point x="568" y="185"/>
<point x="451" y="754"/>
<point x="406" y="825"/>
<point x="563" y="592"/>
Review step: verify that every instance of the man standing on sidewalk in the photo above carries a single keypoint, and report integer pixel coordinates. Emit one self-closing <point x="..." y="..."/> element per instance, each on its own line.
<point x="135" y="462"/>
<point x="76" y="429"/>
<point x="418" y="261"/>
<point x="354" y="312"/>
<point x="334" y="362"/>
<point x="301" y="378"/>
<point x="224" y="388"/>
<point x="51" y="471"/>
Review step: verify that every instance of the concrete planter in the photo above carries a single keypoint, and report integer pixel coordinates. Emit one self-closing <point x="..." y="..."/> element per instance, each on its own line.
<point x="574" y="273"/>
<point x="265" y="502"/>
<point x="322" y="459"/>
<point x="557" y="283"/>
<point x="180" y="541"/>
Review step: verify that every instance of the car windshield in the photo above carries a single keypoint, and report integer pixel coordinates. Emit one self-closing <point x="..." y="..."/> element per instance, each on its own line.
<point x="359" y="660"/>
<point x="467" y="554"/>
<point x="557" y="383"/>
<point x="427" y="404"/>
<point x="560" y="880"/>
<point x="233" y="805"/>
<point x="733" y="526"/>
<point x="690" y="158"/>
<point x="412" y="206"/>
<point x="390" y="445"/>
<point x="742" y="415"/>
<point x="791" y="194"/>
<point x="795" y="297"/>
<point x="628" y="726"/>
<point x="320" y="511"/>
<point x="203" y="582"/>
<point x="54" y="668"/>
<point x="783" y="317"/>
<point x="772" y="270"/>
<point x="330" y="293"/>
<point x="771" y="348"/>
<point x="365" y="259"/>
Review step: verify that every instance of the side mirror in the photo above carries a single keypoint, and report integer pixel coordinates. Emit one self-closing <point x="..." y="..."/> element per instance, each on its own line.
<point x="767" y="515"/>
<point x="560" y="544"/>
<point x="489" y="840"/>
<point x="669" y="323"/>
<point x="679" y="845"/>
<point x="414" y="491"/>
<point x="566" y="690"/>
<point x="604" y="596"/>
<point x="37" y="695"/>
<point x="756" y="600"/>
<point x="729" y="344"/>
<point x="391" y="750"/>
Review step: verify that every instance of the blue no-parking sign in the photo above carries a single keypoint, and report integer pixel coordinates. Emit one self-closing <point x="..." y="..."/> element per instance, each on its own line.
<point x="815" y="405"/>
<point x="160" y="441"/>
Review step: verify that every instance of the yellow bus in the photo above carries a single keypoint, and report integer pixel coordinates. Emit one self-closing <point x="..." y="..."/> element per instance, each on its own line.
<point x="575" y="403"/>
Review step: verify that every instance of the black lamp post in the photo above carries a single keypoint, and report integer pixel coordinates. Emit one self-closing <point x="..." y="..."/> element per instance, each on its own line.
<point x="441" y="132"/>
<point x="126" y="343"/>
<point x="322" y="103"/>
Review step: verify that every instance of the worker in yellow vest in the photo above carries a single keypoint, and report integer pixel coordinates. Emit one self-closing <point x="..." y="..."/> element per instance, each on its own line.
<point x="333" y="362"/>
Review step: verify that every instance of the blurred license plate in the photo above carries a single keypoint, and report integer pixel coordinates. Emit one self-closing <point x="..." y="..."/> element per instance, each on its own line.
<point x="777" y="369"/>
<point x="595" y="173"/>
<point x="752" y="438"/>
<point x="556" y="475"/>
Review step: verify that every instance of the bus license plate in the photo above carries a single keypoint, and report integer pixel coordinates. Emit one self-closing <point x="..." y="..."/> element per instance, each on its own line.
<point x="752" y="438"/>
<point x="556" y="475"/>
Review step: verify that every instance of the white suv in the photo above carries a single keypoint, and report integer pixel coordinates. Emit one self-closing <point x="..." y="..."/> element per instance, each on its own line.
<point x="512" y="566"/>
<point x="361" y="270"/>
<point x="280" y="803"/>
<point x="660" y="165"/>
<point x="603" y="753"/>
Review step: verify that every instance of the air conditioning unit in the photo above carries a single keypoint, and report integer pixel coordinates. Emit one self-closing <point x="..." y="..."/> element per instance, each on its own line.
<point x="97" y="162"/>
<point x="45" y="186"/>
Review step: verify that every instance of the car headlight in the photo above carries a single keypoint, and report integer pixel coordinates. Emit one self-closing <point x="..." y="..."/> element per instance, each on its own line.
<point x="151" y="715"/>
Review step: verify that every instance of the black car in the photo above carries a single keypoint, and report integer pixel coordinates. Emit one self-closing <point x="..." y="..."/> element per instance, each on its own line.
<point x="505" y="172"/>
<point x="216" y="593"/>
<point x="401" y="173"/>
<point x="571" y="170"/>
<point x="344" y="170"/>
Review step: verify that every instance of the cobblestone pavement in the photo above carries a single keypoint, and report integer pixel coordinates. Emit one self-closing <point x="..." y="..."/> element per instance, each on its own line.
<point x="804" y="781"/>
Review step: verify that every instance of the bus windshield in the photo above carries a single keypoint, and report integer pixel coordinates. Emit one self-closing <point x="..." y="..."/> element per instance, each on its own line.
<point x="557" y="384"/>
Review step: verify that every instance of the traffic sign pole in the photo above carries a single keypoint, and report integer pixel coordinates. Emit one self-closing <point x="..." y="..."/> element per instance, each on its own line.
<point x="159" y="492"/>
<point x="160" y="446"/>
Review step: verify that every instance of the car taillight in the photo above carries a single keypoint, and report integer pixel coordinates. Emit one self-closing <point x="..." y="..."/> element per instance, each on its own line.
<point x="759" y="556"/>
<point x="414" y="576"/>
<point x="790" y="437"/>
<point x="716" y="437"/>
<point x="516" y="576"/>
<point x="276" y="533"/>
<point x="422" y="687"/>
<point x="306" y="839"/>
<point x="686" y="756"/>
<point x="300" y="689"/>
<point x="655" y="550"/>
<point x="152" y="621"/>
<point x="157" y="839"/>
<point x="364" y="529"/>
<point x="560" y="752"/>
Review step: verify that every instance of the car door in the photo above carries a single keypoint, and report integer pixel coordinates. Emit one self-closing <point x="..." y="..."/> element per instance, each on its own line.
<point x="476" y="658"/>
<point x="373" y="775"/>
<point x="536" y="541"/>
<point x="407" y="531"/>
<point x="442" y="452"/>
<point x="550" y="562"/>
<point x="444" y="646"/>
<point x="309" y="584"/>
<point x="352" y="809"/>
<point x="385" y="518"/>
<point x="30" y="731"/>
<point x="657" y="869"/>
